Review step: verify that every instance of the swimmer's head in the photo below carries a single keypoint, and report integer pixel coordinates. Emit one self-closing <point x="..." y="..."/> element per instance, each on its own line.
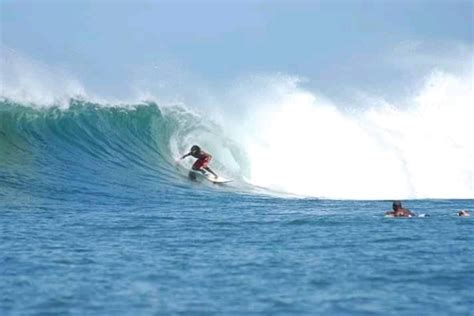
<point x="396" y="205"/>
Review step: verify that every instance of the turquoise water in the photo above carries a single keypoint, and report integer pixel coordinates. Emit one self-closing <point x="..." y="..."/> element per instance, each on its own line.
<point x="97" y="219"/>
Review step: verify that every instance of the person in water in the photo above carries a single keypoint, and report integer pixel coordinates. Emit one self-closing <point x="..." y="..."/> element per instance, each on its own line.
<point x="399" y="211"/>
<point x="202" y="161"/>
<point x="463" y="213"/>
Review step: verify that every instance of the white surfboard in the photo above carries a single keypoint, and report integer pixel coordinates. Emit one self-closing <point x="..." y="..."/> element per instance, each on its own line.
<point x="208" y="176"/>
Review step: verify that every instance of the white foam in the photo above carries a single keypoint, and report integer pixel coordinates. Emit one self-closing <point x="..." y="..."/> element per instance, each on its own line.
<point x="300" y="142"/>
<point x="26" y="81"/>
<point x="297" y="141"/>
<point x="29" y="82"/>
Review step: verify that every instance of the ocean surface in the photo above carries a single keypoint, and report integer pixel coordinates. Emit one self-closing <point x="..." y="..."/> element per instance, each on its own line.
<point x="98" y="218"/>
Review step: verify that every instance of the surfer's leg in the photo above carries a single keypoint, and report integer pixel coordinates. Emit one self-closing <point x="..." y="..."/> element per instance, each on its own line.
<point x="202" y="165"/>
<point x="209" y="169"/>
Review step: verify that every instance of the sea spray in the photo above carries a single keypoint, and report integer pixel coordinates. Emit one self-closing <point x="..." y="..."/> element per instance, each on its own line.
<point x="300" y="142"/>
<point x="271" y="133"/>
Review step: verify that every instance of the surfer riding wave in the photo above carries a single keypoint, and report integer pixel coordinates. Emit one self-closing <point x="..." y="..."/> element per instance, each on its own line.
<point x="202" y="162"/>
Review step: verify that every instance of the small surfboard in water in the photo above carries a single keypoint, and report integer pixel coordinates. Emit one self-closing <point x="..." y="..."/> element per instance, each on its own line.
<point x="193" y="175"/>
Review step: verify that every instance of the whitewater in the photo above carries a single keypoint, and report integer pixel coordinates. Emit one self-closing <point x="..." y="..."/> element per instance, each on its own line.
<point x="282" y="137"/>
<point x="97" y="217"/>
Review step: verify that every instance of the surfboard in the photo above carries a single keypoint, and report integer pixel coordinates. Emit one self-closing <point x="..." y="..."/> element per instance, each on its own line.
<point x="193" y="175"/>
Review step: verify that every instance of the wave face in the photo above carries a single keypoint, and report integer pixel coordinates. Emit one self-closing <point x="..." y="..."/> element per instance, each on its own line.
<point x="284" y="140"/>
<point x="87" y="149"/>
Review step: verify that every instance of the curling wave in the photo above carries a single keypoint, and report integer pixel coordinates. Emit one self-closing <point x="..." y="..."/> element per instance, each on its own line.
<point x="89" y="149"/>
<point x="277" y="137"/>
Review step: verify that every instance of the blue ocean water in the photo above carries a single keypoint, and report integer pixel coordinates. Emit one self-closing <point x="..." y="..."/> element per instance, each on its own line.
<point x="97" y="219"/>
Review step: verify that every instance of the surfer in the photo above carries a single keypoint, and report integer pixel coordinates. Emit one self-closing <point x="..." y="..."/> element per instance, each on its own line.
<point x="399" y="211"/>
<point x="202" y="161"/>
<point x="463" y="213"/>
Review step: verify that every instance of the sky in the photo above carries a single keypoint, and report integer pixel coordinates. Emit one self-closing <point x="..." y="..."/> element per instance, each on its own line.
<point x="111" y="47"/>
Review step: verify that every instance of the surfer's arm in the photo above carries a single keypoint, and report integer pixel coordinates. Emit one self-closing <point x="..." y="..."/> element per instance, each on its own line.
<point x="185" y="155"/>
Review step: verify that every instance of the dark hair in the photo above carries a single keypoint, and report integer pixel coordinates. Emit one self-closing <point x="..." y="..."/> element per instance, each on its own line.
<point x="195" y="148"/>
<point x="396" y="205"/>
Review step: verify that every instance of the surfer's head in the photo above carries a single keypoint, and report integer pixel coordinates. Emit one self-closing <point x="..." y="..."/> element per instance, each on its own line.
<point x="396" y="205"/>
<point x="195" y="149"/>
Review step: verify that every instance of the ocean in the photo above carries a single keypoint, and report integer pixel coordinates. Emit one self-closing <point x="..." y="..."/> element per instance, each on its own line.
<point x="98" y="218"/>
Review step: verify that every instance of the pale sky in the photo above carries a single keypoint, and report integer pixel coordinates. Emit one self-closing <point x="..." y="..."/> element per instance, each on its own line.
<point x="110" y="45"/>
